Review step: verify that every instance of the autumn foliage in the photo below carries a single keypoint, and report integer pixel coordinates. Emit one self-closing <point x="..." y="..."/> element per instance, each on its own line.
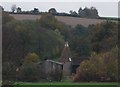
<point x="100" y="67"/>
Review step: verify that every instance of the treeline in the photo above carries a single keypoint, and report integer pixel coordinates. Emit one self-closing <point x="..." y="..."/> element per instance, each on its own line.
<point x="110" y="18"/>
<point x="45" y="39"/>
<point x="84" y="13"/>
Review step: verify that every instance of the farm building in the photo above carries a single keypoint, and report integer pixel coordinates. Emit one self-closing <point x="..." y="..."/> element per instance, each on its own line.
<point x="53" y="70"/>
<point x="70" y="64"/>
<point x="66" y="60"/>
<point x="49" y="70"/>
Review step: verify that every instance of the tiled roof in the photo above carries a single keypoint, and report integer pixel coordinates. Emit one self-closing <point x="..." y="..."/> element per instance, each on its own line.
<point x="66" y="53"/>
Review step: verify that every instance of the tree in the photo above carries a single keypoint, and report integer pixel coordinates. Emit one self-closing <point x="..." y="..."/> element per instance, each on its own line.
<point x="36" y="11"/>
<point x="23" y="37"/>
<point x="86" y="72"/>
<point x="40" y="40"/>
<point x="100" y="67"/>
<point x="31" y="58"/>
<point x="13" y="8"/>
<point x="79" y="11"/>
<point x="80" y="41"/>
<point x="31" y="72"/>
<point x="11" y="52"/>
<point x="48" y="21"/>
<point x="19" y="10"/>
<point x="103" y="34"/>
<point x="52" y="11"/>
<point x="88" y="12"/>
<point x="73" y="13"/>
<point x="94" y="12"/>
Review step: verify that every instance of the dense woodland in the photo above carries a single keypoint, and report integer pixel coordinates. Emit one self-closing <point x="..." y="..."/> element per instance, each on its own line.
<point x="30" y="42"/>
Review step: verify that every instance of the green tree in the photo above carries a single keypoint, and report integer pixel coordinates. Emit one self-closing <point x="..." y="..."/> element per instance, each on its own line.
<point x="31" y="58"/>
<point x="23" y="37"/>
<point x="36" y="11"/>
<point x="73" y="13"/>
<point x="80" y="41"/>
<point x="94" y="12"/>
<point x="100" y="67"/>
<point x="86" y="72"/>
<point x="104" y="36"/>
<point x="31" y="72"/>
<point x="52" y="11"/>
<point x="79" y="11"/>
<point x="19" y="10"/>
<point x="88" y="12"/>
<point x="11" y="50"/>
<point x="48" y="21"/>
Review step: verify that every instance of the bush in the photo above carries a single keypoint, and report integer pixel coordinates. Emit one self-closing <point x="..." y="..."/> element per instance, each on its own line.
<point x="86" y="72"/>
<point x="55" y="76"/>
<point x="100" y="67"/>
<point x="31" y="58"/>
<point x="32" y="69"/>
<point x="28" y="73"/>
<point x="31" y="73"/>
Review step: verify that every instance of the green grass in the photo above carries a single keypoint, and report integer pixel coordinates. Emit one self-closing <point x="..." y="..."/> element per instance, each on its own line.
<point x="69" y="84"/>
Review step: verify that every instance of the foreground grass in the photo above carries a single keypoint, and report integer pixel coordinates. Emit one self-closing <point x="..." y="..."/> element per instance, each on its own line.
<point x="69" y="84"/>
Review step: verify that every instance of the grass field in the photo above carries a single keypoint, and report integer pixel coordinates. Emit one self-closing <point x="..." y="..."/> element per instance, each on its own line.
<point x="69" y="84"/>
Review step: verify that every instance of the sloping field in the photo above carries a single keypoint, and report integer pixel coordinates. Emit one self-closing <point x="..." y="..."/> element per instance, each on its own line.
<point x="73" y="21"/>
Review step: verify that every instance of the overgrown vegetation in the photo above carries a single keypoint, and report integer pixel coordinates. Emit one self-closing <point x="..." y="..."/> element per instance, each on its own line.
<point x="23" y="37"/>
<point x="45" y="38"/>
<point x="100" y="67"/>
<point x="103" y="62"/>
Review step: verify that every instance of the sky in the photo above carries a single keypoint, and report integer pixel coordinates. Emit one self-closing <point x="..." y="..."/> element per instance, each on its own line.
<point x="105" y="8"/>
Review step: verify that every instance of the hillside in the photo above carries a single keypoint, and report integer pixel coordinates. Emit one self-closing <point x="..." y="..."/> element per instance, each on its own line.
<point x="72" y="21"/>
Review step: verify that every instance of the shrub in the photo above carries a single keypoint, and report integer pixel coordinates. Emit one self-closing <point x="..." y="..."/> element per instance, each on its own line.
<point x="100" y="67"/>
<point x="31" y="58"/>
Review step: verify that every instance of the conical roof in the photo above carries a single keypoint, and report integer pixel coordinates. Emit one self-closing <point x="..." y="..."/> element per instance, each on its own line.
<point x="66" y="53"/>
